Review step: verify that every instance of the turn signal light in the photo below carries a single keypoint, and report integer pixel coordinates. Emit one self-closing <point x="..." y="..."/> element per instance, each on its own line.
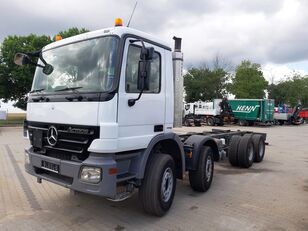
<point x="118" y="22"/>
<point x="113" y="171"/>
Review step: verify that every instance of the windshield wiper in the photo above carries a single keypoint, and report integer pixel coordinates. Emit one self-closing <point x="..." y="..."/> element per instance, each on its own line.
<point x="69" y="89"/>
<point x="37" y="90"/>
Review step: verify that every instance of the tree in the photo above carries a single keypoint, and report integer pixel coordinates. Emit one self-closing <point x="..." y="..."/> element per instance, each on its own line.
<point x="248" y="81"/>
<point x="205" y="84"/>
<point x="16" y="81"/>
<point x="290" y="91"/>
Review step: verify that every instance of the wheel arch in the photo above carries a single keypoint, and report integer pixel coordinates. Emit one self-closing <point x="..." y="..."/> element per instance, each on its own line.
<point x="199" y="141"/>
<point x="164" y="143"/>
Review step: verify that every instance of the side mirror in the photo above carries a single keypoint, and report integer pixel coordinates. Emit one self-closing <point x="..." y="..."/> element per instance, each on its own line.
<point x="47" y="69"/>
<point x="21" y="59"/>
<point x="144" y="68"/>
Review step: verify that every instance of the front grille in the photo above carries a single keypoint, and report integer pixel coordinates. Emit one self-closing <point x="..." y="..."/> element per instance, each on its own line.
<point x="72" y="141"/>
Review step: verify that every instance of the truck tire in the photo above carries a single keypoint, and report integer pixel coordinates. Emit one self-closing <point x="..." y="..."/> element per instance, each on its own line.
<point x="201" y="179"/>
<point x="158" y="186"/>
<point x="233" y="150"/>
<point x="259" y="147"/>
<point x="221" y="122"/>
<point x="242" y="122"/>
<point x="210" y="121"/>
<point x="245" y="151"/>
<point x="197" y="123"/>
<point x="250" y="123"/>
<point x="187" y="123"/>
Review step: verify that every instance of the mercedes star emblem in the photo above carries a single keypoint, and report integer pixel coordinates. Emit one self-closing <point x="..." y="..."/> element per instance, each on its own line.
<point x="52" y="136"/>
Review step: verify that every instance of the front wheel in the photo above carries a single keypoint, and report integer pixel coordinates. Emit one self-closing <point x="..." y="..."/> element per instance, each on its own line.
<point x="157" y="190"/>
<point x="201" y="178"/>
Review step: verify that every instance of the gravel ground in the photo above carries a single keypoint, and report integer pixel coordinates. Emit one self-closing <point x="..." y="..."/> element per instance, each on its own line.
<point x="272" y="195"/>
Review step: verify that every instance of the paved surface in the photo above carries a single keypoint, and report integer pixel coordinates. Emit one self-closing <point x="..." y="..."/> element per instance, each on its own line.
<point x="272" y="195"/>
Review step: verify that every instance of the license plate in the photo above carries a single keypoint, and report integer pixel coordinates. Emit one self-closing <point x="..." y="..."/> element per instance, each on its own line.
<point x="50" y="166"/>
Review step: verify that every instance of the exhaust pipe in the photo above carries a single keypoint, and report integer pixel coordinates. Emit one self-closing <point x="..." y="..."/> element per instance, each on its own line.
<point x="177" y="58"/>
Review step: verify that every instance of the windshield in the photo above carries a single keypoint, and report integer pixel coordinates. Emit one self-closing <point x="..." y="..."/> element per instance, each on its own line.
<point x="87" y="65"/>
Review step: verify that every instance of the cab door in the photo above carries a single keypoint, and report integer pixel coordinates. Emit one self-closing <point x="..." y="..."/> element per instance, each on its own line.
<point x="137" y="124"/>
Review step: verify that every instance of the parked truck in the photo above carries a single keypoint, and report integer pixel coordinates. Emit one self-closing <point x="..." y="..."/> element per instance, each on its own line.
<point x="250" y="111"/>
<point x="287" y="115"/>
<point x="100" y="117"/>
<point x="210" y="112"/>
<point x="304" y="114"/>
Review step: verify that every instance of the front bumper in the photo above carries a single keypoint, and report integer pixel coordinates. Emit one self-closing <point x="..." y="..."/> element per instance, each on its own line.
<point x="69" y="173"/>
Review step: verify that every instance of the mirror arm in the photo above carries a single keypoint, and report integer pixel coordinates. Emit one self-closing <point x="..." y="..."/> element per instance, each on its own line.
<point x="131" y="102"/>
<point x="39" y="55"/>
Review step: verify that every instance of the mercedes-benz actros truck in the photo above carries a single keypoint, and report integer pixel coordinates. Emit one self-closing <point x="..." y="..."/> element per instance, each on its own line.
<point x="100" y="118"/>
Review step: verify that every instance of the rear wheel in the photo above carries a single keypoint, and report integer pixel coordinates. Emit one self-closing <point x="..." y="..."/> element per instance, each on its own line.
<point x="245" y="151"/>
<point x="210" y="121"/>
<point x="201" y="179"/>
<point x="197" y="123"/>
<point x="250" y="123"/>
<point x="259" y="147"/>
<point x="221" y="122"/>
<point x="242" y="122"/>
<point x="233" y="150"/>
<point x="157" y="190"/>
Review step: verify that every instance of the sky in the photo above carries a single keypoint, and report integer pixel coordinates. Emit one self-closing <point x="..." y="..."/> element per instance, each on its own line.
<point x="273" y="33"/>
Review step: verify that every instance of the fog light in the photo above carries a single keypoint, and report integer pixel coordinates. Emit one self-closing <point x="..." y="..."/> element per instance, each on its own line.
<point x="27" y="158"/>
<point x="90" y="174"/>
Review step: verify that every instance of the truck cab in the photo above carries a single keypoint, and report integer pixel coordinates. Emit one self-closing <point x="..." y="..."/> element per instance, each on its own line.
<point x="101" y="103"/>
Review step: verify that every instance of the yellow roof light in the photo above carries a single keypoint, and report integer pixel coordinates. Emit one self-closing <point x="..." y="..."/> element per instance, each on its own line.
<point x="58" y="37"/>
<point x="118" y="22"/>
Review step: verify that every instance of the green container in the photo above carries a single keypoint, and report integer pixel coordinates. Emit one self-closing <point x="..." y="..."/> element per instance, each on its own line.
<point x="253" y="110"/>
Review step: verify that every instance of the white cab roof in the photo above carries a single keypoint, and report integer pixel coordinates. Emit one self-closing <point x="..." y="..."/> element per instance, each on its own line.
<point x="119" y="30"/>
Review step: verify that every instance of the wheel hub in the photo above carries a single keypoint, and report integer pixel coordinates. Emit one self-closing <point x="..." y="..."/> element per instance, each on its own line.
<point x="208" y="168"/>
<point x="167" y="184"/>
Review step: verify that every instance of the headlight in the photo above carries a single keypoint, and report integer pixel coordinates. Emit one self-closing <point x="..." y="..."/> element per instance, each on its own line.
<point x="27" y="158"/>
<point x="90" y="174"/>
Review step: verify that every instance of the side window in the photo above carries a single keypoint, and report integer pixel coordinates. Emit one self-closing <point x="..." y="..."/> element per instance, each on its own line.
<point x="131" y="73"/>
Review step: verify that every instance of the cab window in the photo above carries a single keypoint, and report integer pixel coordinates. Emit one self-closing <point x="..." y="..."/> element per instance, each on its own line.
<point x="131" y="73"/>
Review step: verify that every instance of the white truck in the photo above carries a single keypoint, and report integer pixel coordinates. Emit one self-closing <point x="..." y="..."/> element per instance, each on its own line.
<point x="100" y="120"/>
<point x="207" y="112"/>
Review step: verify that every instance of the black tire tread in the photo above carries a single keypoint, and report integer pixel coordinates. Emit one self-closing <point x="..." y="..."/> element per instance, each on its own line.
<point x="233" y="150"/>
<point x="242" y="151"/>
<point x="148" y="190"/>
<point x="196" y="177"/>
<point x="256" y="139"/>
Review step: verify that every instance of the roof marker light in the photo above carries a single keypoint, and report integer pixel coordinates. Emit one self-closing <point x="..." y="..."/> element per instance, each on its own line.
<point x="58" y="37"/>
<point x="118" y="22"/>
